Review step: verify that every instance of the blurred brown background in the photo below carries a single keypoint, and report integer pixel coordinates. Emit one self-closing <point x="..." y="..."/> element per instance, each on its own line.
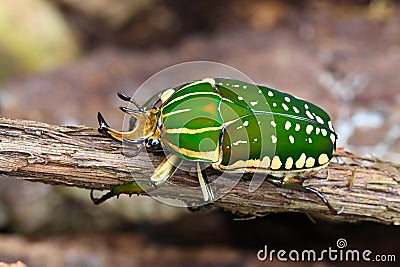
<point x="62" y="61"/>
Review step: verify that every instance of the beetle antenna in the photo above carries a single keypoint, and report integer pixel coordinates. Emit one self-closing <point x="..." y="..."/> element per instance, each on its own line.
<point x="130" y="99"/>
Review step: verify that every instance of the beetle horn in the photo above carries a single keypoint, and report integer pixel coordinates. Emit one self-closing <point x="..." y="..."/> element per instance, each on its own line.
<point x="104" y="128"/>
<point x="145" y="126"/>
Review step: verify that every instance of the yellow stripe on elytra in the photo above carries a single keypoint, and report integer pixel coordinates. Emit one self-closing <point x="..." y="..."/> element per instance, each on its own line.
<point x="207" y="80"/>
<point x="187" y="95"/>
<point x="209" y="155"/>
<point x="176" y="112"/>
<point x="192" y="131"/>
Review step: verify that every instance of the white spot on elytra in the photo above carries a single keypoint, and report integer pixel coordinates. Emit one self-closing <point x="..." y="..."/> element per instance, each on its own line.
<point x="285" y="107"/>
<point x="255" y="140"/>
<point x="287" y="99"/>
<point x="289" y="163"/>
<point x="333" y="138"/>
<point x="291" y="139"/>
<point x="287" y="125"/>
<point x="273" y="124"/>
<point x="309" y="140"/>
<point x="296" y="110"/>
<point x="244" y="87"/>
<point x="236" y="85"/>
<point x="310" y="162"/>
<point x="276" y="163"/>
<point x="270" y="94"/>
<point x="239" y="142"/>
<point x="309" y="129"/>
<point x="240" y="98"/>
<point x="254" y="103"/>
<point x="239" y="127"/>
<point x="319" y="119"/>
<point x="330" y="125"/>
<point x="317" y="130"/>
<point x="324" y="132"/>
<point x="274" y="139"/>
<point x="259" y="91"/>
<point x="246" y="123"/>
<point x="274" y="105"/>
<point x="306" y="106"/>
<point x="301" y="161"/>
<point x="297" y="128"/>
<point x="323" y="158"/>
<point x="308" y="113"/>
<point x="265" y="162"/>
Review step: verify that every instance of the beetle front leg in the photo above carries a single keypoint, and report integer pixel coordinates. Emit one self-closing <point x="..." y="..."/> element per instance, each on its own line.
<point x="128" y="188"/>
<point x="162" y="173"/>
<point x="296" y="183"/>
<point x="165" y="170"/>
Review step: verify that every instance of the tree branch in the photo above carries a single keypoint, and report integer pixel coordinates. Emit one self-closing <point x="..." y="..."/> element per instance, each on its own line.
<point x="79" y="156"/>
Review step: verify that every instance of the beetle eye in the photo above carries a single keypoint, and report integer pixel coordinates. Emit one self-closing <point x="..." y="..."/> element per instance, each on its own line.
<point x="153" y="143"/>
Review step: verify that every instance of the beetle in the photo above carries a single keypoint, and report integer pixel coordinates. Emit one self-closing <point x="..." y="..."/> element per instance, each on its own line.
<point x="235" y="127"/>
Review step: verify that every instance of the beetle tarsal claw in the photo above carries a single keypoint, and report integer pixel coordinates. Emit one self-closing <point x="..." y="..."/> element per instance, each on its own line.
<point x="101" y="199"/>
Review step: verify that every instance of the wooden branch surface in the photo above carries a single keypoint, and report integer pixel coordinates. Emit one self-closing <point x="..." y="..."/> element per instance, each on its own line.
<point x="79" y="156"/>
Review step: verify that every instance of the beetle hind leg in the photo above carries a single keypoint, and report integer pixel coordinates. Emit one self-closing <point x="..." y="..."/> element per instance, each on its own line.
<point x="204" y="185"/>
<point x="296" y="183"/>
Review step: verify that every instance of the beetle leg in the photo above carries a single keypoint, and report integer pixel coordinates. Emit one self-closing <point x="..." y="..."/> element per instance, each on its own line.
<point x="162" y="173"/>
<point x="204" y="185"/>
<point x="326" y="202"/>
<point x="296" y="183"/>
<point x="129" y="154"/>
<point x="165" y="170"/>
<point x="128" y="188"/>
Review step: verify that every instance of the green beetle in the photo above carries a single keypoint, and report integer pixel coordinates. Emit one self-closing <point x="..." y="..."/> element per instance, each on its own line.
<point x="235" y="127"/>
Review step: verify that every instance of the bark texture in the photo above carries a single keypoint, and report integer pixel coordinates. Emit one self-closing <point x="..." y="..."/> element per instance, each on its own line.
<point x="79" y="156"/>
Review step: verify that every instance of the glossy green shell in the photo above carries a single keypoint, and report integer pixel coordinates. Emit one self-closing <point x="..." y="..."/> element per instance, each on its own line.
<point x="239" y="126"/>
